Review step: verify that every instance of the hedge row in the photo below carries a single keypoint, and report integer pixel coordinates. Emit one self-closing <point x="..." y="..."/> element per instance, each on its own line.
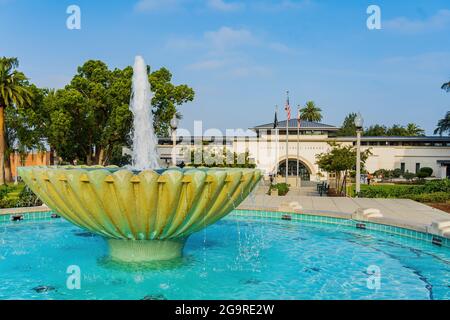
<point x="431" y="191"/>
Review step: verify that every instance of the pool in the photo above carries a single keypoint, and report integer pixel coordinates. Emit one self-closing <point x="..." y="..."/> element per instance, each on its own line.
<point x="237" y="258"/>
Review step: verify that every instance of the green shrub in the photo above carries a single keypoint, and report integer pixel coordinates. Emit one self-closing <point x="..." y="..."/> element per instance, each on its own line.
<point x="425" y="172"/>
<point x="282" y="188"/>
<point x="26" y="198"/>
<point x="430" y="197"/>
<point x="397" y="173"/>
<point x="409" y="175"/>
<point x="430" y="191"/>
<point x="422" y="175"/>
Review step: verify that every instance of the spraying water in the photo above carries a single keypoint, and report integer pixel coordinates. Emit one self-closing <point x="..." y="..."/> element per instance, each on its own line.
<point x="145" y="153"/>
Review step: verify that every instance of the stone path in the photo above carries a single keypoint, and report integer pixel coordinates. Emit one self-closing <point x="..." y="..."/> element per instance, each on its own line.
<point x="398" y="212"/>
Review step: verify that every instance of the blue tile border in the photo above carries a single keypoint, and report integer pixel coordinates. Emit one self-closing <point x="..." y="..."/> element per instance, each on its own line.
<point x="277" y="215"/>
<point x="318" y="219"/>
<point x="26" y="216"/>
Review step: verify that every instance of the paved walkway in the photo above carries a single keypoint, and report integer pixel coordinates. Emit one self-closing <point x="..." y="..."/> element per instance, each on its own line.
<point x="398" y="212"/>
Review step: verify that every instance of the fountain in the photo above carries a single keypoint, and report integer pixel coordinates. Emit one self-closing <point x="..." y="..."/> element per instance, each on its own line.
<point x="144" y="213"/>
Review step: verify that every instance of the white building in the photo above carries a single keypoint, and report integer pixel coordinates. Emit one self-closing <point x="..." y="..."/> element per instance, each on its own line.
<point x="268" y="149"/>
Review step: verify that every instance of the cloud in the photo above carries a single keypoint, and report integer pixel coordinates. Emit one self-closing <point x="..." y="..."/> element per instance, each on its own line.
<point x="439" y="21"/>
<point x="207" y="65"/>
<point x="246" y="71"/>
<point x="279" y="47"/>
<point x="428" y="62"/>
<point x="155" y="5"/>
<point x="227" y="38"/>
<point x="221" y="5"/>
<point x="270" y="5"/>
<point x="230" y="51"/>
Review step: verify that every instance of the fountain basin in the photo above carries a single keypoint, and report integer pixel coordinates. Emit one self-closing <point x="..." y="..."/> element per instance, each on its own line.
<point x="145" y="215"/>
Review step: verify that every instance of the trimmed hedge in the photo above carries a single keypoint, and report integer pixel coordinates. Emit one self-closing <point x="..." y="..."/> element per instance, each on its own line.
<point x="430" y="197"/>
<point x="431" y="191"/>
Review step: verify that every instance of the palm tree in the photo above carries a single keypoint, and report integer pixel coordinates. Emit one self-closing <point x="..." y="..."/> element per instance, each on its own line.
<point x="413" y="130"/>
<point x="310" y="112"/>
<point x="446" y="86"/>
<point x="443" y="125"/>
<point x="13" y="92"/>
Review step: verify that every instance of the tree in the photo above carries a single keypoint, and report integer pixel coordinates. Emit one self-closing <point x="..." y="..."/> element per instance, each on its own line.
<point x="340" y="160"/>
<point x="167" y="98"/>
<point x="13" y="93"/>
<point x="376" y="131"/>
<point x="311" y="112"/>
<point x="396" y="130"/>
<point x="413" y="130"/>
<point x="89" y="120"/>
<point x="443" y="125"/>
<point x="348" y="128"/>
<point x="446" y="86"/>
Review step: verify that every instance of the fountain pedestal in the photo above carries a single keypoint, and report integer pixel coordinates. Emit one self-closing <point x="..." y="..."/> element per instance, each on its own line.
<point x="145" y="250"/>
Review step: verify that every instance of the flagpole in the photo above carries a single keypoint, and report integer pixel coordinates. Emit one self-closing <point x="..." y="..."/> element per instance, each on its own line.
<point x="298" y="145"/>
<point x="287" y="142"/>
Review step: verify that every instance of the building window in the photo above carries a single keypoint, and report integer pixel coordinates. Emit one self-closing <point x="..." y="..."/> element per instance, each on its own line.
<point x="417" y="167"/>
<point x="402" y="167"/>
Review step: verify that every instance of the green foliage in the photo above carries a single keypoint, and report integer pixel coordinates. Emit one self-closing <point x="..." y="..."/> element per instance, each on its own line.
<point x="409" y="175"/>
<point x="311" y="112"/>
<point x="443" y="125"/>
<point x="17" y="196"/>
<point x="27" y="198"/>
<point x="436" y="197"/>
<point x="283" y="188"/>
<point x="425" y="172"/>
<point x="340" y="160"/>
<point x="348" y="128"/>
<point x="166" y="99"/>
<point x="410" y="130"/>
<point x="89" y="120"/>
<point x="430" y="191"/>
<point x="446" y="86"/>
<point x="13" y="84"/>
<point x="14" y="93"/>
<point x="225" y="159"/>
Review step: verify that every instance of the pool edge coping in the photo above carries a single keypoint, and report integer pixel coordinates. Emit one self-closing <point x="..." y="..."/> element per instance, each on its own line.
<point x="389" y="226"/>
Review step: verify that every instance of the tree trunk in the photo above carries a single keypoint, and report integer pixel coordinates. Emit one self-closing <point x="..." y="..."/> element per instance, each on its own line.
<point x="2" y="145"/>
<point x="101" y="157"/>
<point x="52" y="156"/>
<point x="8" y="171"/>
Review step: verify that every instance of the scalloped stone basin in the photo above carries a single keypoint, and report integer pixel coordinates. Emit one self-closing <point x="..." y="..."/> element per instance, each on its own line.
<point x="145" y="215"/>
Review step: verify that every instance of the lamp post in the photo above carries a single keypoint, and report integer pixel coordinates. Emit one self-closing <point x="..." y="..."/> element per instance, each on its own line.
<point x="174" y="125"/>
<point x="359" y="123"/>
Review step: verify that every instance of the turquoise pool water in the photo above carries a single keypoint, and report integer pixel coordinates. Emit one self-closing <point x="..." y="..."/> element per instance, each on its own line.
<point x="237" y="258"/>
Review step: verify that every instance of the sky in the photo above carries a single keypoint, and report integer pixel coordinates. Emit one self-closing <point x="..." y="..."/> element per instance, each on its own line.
<point x="242" y="56"/>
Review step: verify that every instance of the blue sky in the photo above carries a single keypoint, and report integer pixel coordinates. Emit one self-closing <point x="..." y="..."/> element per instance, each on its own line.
<point x="241" y="56"/>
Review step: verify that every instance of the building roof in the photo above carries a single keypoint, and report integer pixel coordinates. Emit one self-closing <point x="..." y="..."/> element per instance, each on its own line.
<point x="311" y="125"/>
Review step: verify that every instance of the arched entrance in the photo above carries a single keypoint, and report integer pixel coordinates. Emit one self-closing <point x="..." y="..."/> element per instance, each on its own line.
<point x="304" y="172"/>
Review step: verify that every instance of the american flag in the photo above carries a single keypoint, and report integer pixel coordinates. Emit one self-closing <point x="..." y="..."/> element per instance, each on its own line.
<point x="288" y="108"/>
<point x="299" y="116"/>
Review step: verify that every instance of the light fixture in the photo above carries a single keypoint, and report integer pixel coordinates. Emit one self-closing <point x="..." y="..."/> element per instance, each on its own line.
<point x="359" y="121"/>
<point x="174" y="122"/>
